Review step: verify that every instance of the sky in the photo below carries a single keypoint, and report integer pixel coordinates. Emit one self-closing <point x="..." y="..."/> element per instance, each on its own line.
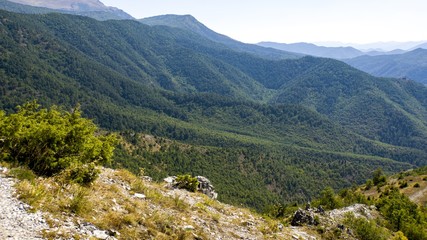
<point x="288" y="21"/>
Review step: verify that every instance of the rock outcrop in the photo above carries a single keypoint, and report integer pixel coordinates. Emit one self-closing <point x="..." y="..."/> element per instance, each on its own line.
<point x="303" y="217"/>
<point x="204" y="186"/>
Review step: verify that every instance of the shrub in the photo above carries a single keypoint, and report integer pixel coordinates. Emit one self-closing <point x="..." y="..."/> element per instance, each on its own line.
<point x="403" y="184"/>
<point x="369" y="184"/>
<point x="23" y="174"/>
<point x="83" y="174"/>
<point x="379" y="178"/>
<point x="48" y="141"/>
<point x="365" y="229"/>
<point x="187" y="182"/>
<point x="329" y="200"/>
<point x="399" y="236"/>
<point x="417" y="185"/>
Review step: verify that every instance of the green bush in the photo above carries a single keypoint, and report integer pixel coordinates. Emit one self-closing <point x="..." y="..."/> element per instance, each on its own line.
<point x="83" y="174"/>
<point x="329" y="200"/>
<point x="47" y="141"/>
<point x="187" y="182"/>
<point x="369" y="184"/>
<point x="23" y="174"/>
<point x="365" y="229"/>
<point x="379" y="179"/>
<point x="403" y="184"/>
<point x="402" y="214"/>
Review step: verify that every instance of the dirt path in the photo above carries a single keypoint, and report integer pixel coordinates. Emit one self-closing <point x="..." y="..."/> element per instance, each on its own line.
<point x="15" y="221"/>
<point x="419" y="195"/>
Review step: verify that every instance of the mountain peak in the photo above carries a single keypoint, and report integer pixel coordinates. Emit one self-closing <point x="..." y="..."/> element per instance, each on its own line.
<point x="187" y="22"/>
<point x="90" y="8"/>
<point x="73" y="5"/>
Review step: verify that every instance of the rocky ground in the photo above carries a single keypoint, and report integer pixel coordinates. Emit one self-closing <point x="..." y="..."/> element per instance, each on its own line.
<point x="198" y="216"/>
<point x="16" y="219"/>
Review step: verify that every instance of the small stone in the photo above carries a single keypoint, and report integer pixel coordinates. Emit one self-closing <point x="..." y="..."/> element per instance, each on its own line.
<point x="100" y="234"/>
<point x="188" y="228"/>
<point x="147" y="179"/>
<point x="139" y="195"/>
<point x="170" y="179"/>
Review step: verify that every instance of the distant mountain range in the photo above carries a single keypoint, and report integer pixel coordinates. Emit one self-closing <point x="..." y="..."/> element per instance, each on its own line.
<point x="327" y="52"/>
<point x="89" y="8"/>
<point x="314" y="50"/>
<point x="411" y="65"/>
<point x="397" y="63"/>
<point x="423" y="46"/>
<point x="375" y="46"/>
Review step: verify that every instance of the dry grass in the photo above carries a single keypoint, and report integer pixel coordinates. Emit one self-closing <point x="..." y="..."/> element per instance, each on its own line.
<point x="109" y="203"/>
<point x="417" y="194"/>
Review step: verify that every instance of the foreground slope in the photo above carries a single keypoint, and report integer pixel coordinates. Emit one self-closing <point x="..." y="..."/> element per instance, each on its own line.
<point x="167" y="82"/>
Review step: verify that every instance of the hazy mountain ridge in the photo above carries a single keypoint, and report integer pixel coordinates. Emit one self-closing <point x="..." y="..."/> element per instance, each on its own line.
<point x="94" y="8"/>
<point x="411" y="65"/>
<point x="189" y="23"/>
<point x="317" y="51"/>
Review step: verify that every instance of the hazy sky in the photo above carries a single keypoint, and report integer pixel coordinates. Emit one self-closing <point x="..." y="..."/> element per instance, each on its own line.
<point x="350" y="21"/>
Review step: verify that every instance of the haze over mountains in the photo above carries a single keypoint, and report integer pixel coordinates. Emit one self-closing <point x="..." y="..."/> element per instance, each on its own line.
<point x="411" y="65"/>
<point x="313" y="50"/>
<point x="268" y="122"/>
<point x="90" y="8"/>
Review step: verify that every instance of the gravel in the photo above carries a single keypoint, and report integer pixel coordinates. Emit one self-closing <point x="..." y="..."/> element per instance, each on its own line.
<point x="15" y="220"/>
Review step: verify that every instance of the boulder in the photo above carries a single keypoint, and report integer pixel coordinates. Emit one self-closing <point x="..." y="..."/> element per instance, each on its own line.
<point x="303" y="217"/>
<point x="206" y="187"/>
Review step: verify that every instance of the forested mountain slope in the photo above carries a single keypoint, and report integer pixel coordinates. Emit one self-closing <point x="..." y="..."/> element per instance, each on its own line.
<point x="412" y="65"/>
<point x="274" y="127"/>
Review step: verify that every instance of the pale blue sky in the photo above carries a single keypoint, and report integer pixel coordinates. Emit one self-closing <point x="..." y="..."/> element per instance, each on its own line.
<point x="351" y="21"/>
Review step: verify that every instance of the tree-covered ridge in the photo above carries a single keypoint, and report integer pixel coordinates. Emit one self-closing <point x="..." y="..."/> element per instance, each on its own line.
<point x="316" y="114"/>
<point x="411" y="65"/>
<point x="191" y="25"/>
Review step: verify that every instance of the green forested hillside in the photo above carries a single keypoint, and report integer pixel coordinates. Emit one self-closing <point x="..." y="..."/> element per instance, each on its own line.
<point x="277" y="130"/>
<point x="410" y="65"/>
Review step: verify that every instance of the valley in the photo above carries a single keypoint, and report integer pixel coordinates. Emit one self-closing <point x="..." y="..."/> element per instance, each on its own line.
<point x="280" y="121"/>
<point x="272" y="126"/>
